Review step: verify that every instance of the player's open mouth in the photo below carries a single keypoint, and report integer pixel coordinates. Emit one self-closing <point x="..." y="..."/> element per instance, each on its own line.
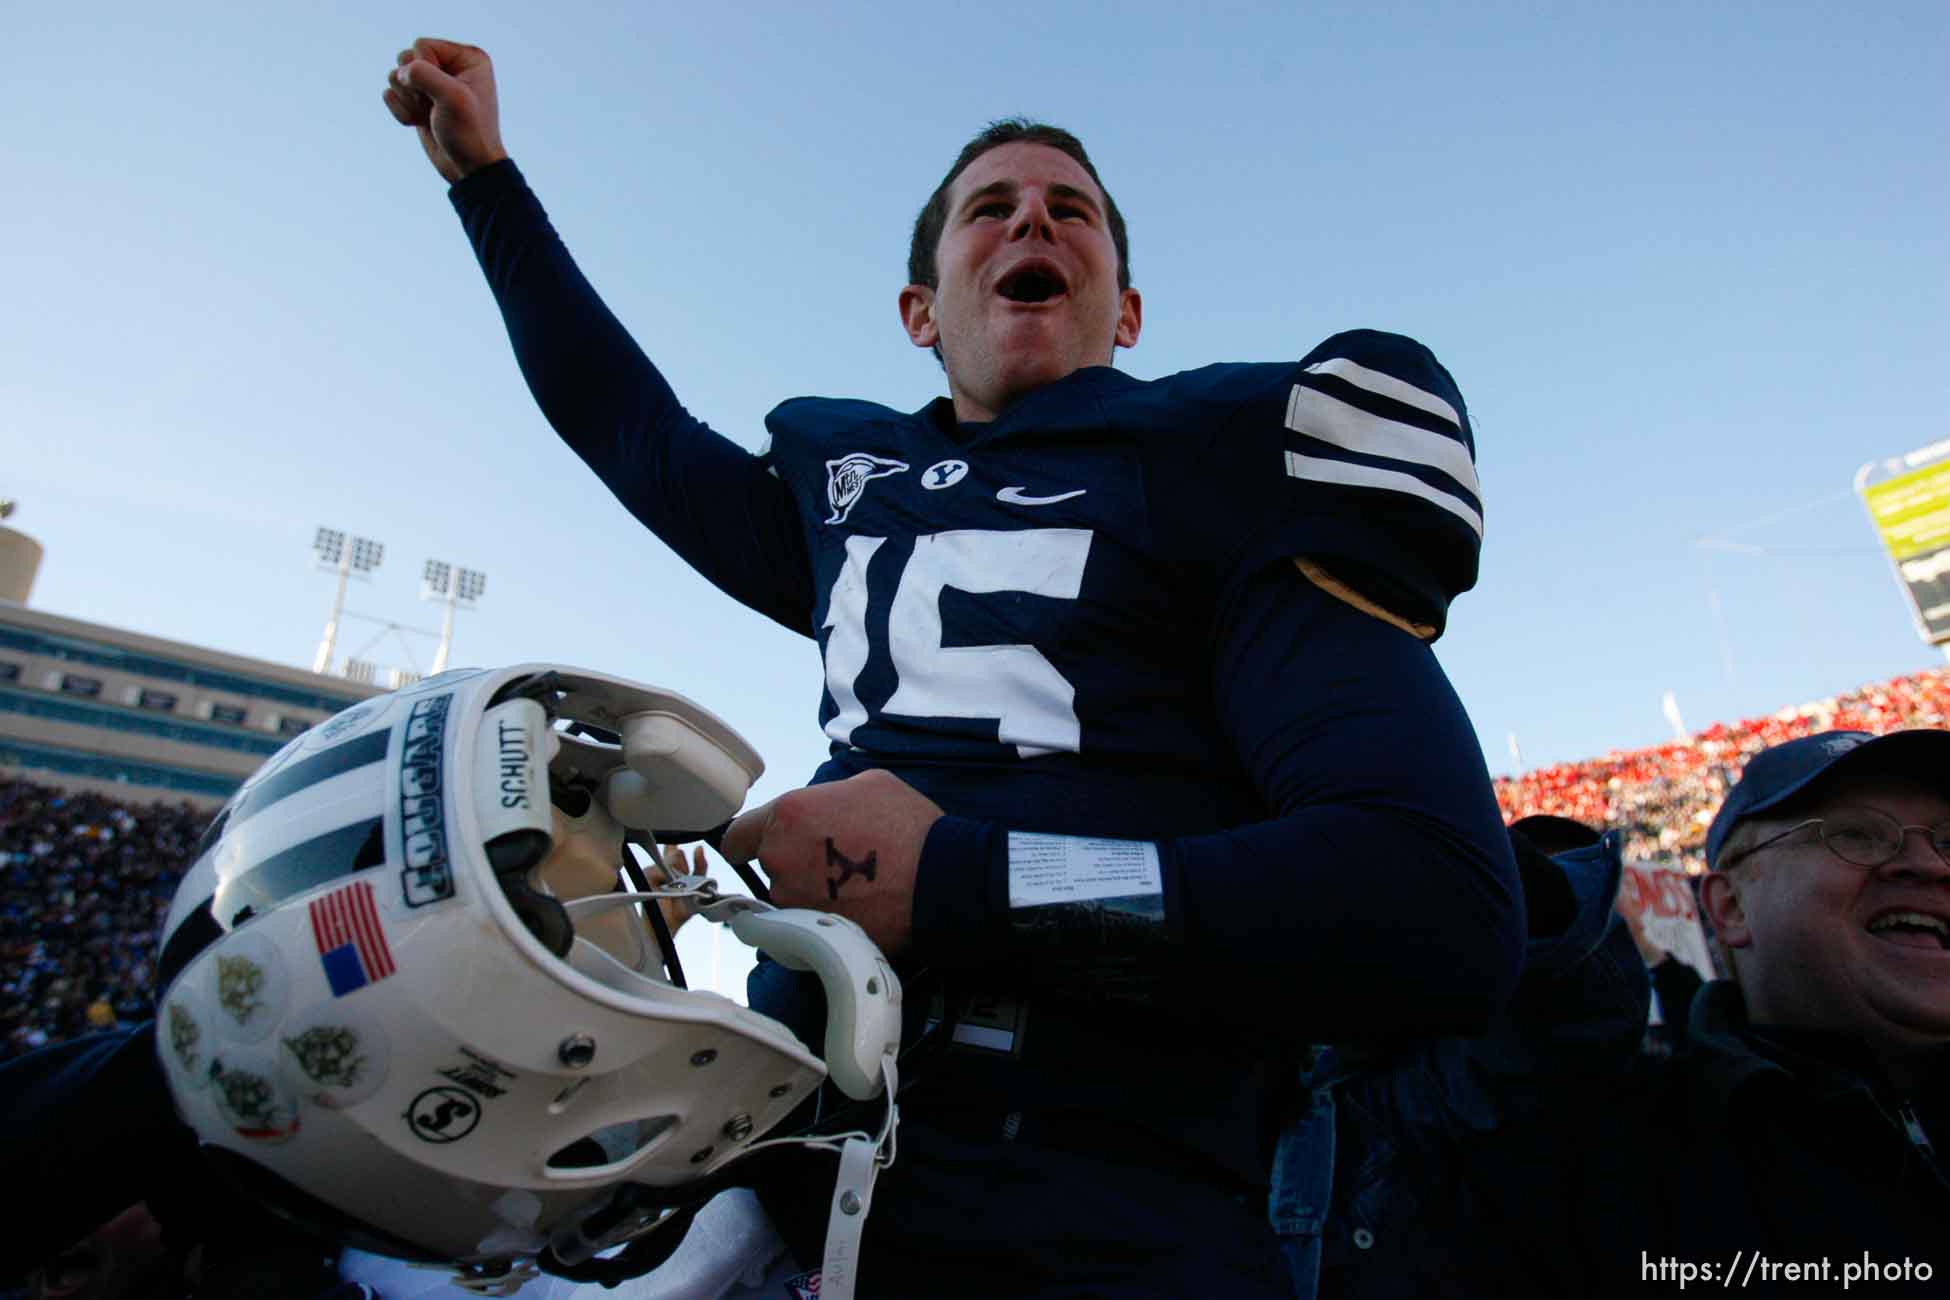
<point x="1033" y="284"/>
<point x="1919" y="930"/>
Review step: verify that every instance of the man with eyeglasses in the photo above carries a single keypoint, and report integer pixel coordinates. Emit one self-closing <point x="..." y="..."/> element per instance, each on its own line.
<point x="1806" y="1121"/>
<point x="1830" y="891"/>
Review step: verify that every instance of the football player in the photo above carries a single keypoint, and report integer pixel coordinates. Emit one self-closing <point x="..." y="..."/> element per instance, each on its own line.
<point x="1137" y="744"/>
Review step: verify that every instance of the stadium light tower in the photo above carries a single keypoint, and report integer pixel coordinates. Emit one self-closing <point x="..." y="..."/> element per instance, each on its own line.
<point x="334" y="555"/>
<point x="453" y="587"/>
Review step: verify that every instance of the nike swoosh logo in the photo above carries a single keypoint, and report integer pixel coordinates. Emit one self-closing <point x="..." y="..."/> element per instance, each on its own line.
<point x="1016" y="496"/>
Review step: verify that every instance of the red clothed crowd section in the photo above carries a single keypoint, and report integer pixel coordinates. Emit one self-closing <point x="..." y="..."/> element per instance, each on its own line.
<point x="1664" y="797"/>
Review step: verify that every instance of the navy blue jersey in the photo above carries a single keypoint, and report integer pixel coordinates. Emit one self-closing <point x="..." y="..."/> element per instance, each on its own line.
<point x="1085" y="620"/>
<point x="1046" y="583"/>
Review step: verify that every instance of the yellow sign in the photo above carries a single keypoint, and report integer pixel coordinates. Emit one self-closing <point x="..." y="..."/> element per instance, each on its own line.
<point x="1912" y="511"/>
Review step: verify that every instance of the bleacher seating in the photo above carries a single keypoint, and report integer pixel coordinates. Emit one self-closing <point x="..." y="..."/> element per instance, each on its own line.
<point x="1664" y="797"/>
<point x="85" y="880"/>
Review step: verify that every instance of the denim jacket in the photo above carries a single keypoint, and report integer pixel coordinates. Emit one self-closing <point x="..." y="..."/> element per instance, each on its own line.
<point x="1362" y="1177"/>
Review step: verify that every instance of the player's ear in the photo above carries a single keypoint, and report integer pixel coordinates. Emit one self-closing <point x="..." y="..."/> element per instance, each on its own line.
<point x="1720" y="897"/>
<point x="1130" y="318"/>
<point x="917" y="316"/>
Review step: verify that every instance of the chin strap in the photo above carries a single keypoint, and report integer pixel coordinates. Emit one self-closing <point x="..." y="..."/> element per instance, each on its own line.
<point x="861" y="1160"/>
<point x="846" y="1222"/>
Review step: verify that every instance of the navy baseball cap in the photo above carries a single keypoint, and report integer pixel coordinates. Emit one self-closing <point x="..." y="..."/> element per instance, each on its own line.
<point x="1774" y="776"/>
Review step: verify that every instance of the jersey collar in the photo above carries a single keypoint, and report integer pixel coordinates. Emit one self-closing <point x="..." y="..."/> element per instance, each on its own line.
<point x="1069" y="405"/>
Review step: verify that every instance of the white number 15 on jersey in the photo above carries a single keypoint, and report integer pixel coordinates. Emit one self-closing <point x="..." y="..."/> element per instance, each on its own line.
<point x="1034" y="705"/>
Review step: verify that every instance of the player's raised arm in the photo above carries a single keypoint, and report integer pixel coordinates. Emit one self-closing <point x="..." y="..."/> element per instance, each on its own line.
<point x="708" y="498"/>
<point x="445" y="91"/>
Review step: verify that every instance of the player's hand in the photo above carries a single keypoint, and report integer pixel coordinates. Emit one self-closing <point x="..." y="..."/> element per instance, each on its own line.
<point x="850" y="847"/>
<point x="445" y="91"/>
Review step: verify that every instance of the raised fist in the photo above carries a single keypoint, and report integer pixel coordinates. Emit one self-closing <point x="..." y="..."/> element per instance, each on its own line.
<point x="445" y="91"/>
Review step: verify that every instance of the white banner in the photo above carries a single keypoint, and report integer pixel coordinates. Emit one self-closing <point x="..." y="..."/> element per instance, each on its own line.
<point x="1662" y="899"/>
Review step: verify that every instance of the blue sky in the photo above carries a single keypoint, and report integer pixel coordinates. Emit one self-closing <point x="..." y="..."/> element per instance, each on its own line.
<point x="1687" y="263"/>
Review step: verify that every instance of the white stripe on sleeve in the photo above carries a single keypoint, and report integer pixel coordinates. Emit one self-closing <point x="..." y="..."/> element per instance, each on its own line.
<point x="1329" y="419"/>
<point x="1378" y="381"/>
<point x="1318" y="470"/>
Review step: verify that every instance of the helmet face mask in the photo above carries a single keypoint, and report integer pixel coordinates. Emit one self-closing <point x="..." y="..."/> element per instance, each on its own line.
<point x="379" y="992"/>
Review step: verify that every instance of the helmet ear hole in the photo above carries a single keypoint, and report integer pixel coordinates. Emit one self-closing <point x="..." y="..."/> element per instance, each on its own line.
<point x="583" y="1153"/>
<point x="612" y="1145"/>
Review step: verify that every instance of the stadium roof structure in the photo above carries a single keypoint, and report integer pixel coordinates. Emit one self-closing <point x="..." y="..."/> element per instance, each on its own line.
<point x="89" y="706"/>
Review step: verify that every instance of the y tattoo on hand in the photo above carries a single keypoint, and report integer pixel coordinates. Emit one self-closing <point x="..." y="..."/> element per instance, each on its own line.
<point x="848" y="868"/>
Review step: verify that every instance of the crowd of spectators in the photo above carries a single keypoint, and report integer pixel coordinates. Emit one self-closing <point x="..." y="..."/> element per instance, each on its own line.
<point x="1663" y="798"/>
<point x="85" y="882"/>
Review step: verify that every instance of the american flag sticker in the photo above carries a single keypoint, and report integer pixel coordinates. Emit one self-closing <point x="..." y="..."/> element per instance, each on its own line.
<point x="351" y="944"/>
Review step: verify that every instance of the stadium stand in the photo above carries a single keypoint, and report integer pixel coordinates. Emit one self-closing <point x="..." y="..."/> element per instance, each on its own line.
<point x="85" y="879"/>
<point x="1663" y="798"/>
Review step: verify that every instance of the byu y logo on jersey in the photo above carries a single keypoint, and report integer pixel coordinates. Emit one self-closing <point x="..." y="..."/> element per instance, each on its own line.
<point x="846" y="480"/>
<point x="943" y="473"/>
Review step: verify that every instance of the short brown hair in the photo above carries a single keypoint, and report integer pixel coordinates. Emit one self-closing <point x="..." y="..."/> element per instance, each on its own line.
<point x="921" y="268"/>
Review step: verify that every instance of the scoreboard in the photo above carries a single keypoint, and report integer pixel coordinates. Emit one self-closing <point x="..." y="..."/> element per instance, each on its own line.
<point x="1908" y="500"/>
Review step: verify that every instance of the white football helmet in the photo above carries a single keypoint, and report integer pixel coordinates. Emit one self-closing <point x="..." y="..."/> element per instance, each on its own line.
<point x="398" y="1003"/>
